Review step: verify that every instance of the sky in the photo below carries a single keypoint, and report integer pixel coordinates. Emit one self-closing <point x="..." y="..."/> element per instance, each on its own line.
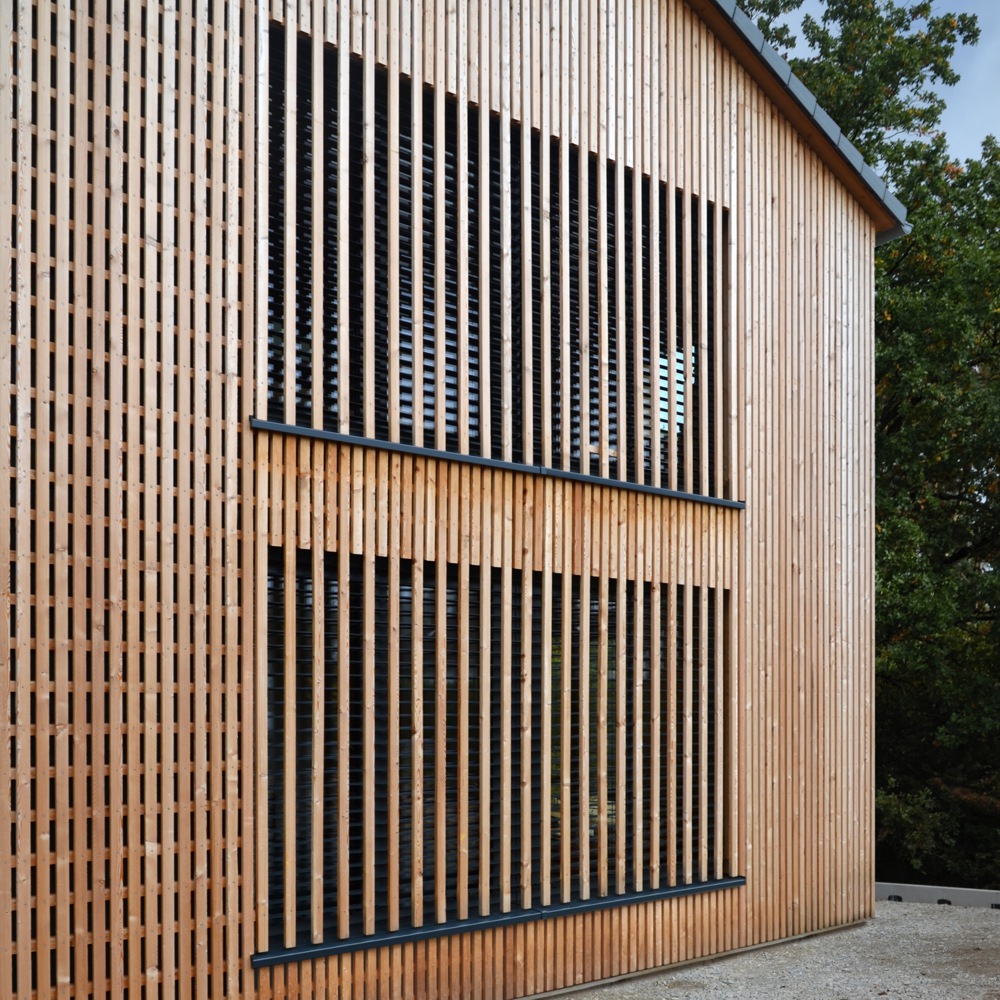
<point x="973" y="110"/>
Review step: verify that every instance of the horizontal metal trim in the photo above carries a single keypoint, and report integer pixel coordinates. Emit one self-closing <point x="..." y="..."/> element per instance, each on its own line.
<point x="414" y="934"/>
<point x="488" y="463"/>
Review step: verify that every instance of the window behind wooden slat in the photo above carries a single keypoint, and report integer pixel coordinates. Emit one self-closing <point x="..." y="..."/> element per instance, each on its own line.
<point x="687" y="383"/>
<point x="289" y="842"/>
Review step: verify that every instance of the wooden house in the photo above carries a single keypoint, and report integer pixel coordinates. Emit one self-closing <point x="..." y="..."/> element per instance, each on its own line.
<point x="437" y="542"/>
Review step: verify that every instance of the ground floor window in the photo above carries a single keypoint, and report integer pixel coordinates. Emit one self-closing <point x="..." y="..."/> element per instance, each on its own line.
<point x="446" y="746"/>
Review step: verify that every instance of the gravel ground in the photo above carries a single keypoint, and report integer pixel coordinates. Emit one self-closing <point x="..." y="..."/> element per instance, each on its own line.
<point x="907" y="950"/>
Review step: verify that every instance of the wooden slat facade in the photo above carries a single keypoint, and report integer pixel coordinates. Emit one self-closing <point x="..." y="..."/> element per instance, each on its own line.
<point x="553" y="584"/>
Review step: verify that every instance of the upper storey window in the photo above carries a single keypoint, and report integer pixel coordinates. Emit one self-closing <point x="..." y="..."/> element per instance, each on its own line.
<point x="484" y="290"/>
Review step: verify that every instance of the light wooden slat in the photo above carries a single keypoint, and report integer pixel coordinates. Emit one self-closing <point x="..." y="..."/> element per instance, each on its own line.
<point x="565" y="95"/>
<point x="507" y="402"/>
<point x="687" y="720"/>
<point x="656" y="666"/>
<point x="217" y="484"/>
<point x="290" y="763"/>
<point x="359" y="525"/>
<point x="261" y="856"/>
<point x="357" y="25"/>
<point x="515" y="8"/>
<point x="393" y="691"/>
<point x="63" y="681"/>
<point x="670" y="559"/>
<point x="602" y="697"/>
<point x="318" y="698"/>
<point x="737" y="752"/>
<point x="545" y="860"/>
<point x="718" y="265"/>
<point x="464" y="507"/>
<point x="393" y="219"/>
<point x="584" y="257"/>
<point x="524" y="541"/>
<point x="602" y="113"/>
<point x="317" y="244"/>
<point x="506" y="684"/>
<point x="582" y="508"/>
<point x="451" y="475"/>
<point x="461" y="59"/>
<point x="440" y="245"/>
<point x="638" y="519"/>
<point x="150" y="577"/>
<point x="290" y="207"/>
<point x="368" y="139"/>
<point x="276" y="522"/>
<point x="116" y="497"/>
<point x="417" y="214"/>
<point x="705" y="544"/>
<point x="185" y="527"/>
<point x="811" y="475"/>
<point x="620" y="515"/>
<point x="722" y="816"/>
<point x="298" y="473"/>
<point x="789" y="727"/>
<point x="9" y="160"/>
<point x="655" y="94"/>
<point x="567" y="667"/>
<point x="669" y="152"/>
<point x="417" y="667"/>
<point x="381" y="32"/>
<point x="440" y="688"/>
<point x="473" y="33"/>
<point x="368" y="696"/>
<point x="526" y="113"/>
<point x="44" y="515"/>
<point x="487" y="40"/>
<point x="428" y="15"/>
<point x="619" y="149"/>
<point x="380" y="509"/>
<point x="486" y="655"/>
<point x="262" y="762"/>
<point x="544" y="66"/>
<point x="343" y="680"/>
<point x="686" y="482"/>
<point x="656" y="126"/>
<point x="239" y="481"/>
<point x="82" y="719"/>
<point x="761" y="725"/>
<point x="343" y="225"/>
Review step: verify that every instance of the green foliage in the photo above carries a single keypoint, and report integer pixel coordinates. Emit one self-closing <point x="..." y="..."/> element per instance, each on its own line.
<point x="874" y="64"/>
<point x="768" y="15"/>
<point x="913" y="823"/>
<point x="938" y="525"/>
<point x="877" y="67"/>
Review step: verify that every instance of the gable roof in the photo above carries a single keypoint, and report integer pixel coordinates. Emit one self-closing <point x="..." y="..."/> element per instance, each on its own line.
<point x="736" y="29"/>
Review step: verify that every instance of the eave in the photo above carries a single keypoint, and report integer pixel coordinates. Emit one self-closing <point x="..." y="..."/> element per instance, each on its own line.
<point x="796" y="102"/>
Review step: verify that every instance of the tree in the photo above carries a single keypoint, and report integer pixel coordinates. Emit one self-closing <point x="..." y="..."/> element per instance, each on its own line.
<point x="938" y="524"/>
<point x="877" y="67"/>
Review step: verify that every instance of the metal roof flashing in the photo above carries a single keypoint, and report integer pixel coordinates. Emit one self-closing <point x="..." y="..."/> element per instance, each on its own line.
<point x="828" y="129"/>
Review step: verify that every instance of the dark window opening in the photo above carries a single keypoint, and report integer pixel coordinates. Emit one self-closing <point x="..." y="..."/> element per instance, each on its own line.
<point x="614" y="762"/>
<point x="619" y="416"/>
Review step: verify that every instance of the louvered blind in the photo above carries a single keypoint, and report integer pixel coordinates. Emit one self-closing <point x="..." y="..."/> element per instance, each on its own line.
<point x="602" y="730"/>
<point x="608" y="376"/>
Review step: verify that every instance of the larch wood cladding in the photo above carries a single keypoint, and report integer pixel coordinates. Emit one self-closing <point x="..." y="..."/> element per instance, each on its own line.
<point x="142" y="508"/>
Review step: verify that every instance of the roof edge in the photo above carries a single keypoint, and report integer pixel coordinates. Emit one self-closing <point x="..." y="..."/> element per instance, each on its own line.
<point x="829" y="130"/>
